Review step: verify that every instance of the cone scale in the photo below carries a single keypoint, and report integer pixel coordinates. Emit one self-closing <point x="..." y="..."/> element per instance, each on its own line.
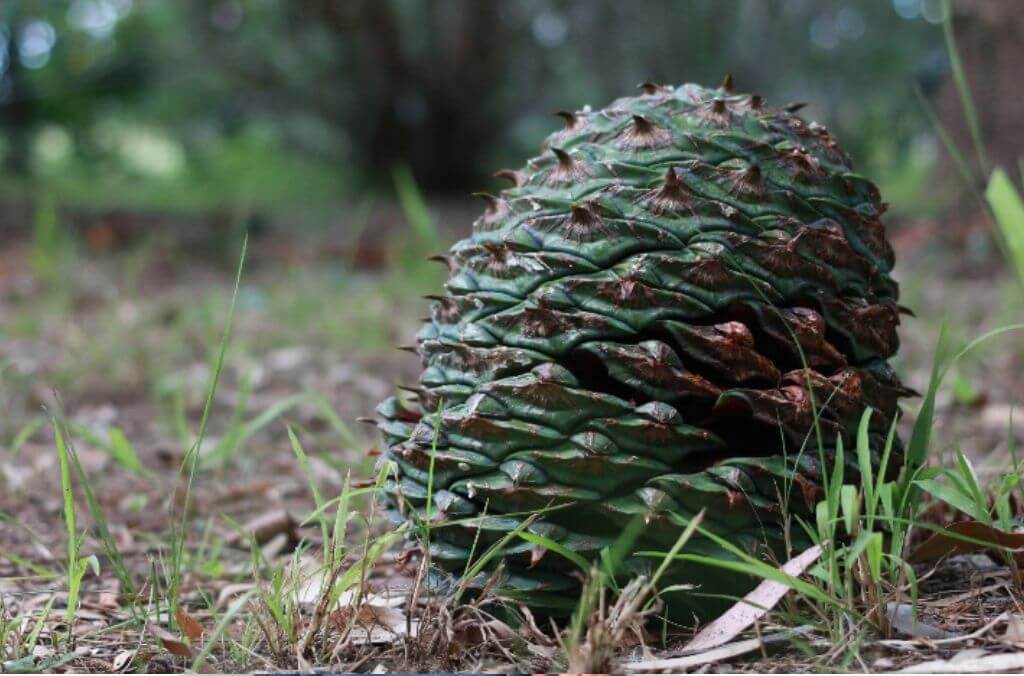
<point x="643" y="326"/>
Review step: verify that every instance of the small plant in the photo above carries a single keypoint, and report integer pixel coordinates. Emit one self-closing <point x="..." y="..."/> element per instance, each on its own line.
<point x="994" y="507"/>
<point x="853" y="525"/>
<point x="52" y="243"/>
<point x="77" y="565"/>
<point x="191" y="460"/>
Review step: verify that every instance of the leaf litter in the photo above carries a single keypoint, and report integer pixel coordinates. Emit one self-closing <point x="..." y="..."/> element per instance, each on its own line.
<point x="377" y="630"/>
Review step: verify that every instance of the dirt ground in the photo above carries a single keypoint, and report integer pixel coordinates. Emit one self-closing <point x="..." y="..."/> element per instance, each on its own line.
<point x="119" y="345"/>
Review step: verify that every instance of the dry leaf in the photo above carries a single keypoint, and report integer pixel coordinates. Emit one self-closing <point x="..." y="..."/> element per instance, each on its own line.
<point x="1014" y="629"/>
<point x="752" y="607"/>
<point x="108" y="600"/>
<point x="171" y="643"/>
<point x="901" y="617"/>
<point x="942" y="543"/>
<point x="275" y="545"/>
<point x="677" y="664"/>
<point x="970" y="664"/>
<point x="233" y="590"/>
<point x="265" y="526"/>
<point x="371" y="623"/>
<point x="189" y="625"/>
<point x="473" y="632"/>
<point x="122" y="660"/>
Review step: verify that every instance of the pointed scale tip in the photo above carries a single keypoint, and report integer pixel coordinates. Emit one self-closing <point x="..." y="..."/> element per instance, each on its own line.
<point x="649" y="87"/>
<point x="440" y="258"/>
<point x="510" y="175"/>
<point x="727" y="84"/>
<point x="795" y="107"/>
<point x="563" y="157"/>
<point x="570" y="118"/>
<point x="582" y="212"/>
<point x="492" y="202"/>
<point x="642" y="124"/>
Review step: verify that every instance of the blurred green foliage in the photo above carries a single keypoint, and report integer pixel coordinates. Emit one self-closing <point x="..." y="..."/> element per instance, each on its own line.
<point x="196" y="105"/>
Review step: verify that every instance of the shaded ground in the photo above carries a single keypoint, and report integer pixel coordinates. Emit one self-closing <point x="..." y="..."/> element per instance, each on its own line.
<point x="121" y="343"/>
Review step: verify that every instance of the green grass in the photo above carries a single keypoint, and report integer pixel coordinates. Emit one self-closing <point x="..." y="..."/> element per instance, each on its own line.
<point x="51" y="245"/>
<point x="1004" y="199"/>
<point x="270" y="612"/>
<point x="862" y="525"/>
<point x="191" y="461"/>
<point x="76" y="566"/>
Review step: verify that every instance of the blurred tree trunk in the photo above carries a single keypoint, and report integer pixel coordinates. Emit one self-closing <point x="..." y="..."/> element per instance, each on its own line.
<point x="16" y="112"/>
<point x="990" y="38"/>
<point x="990" y="41"/>
<point x="426" y="104"/>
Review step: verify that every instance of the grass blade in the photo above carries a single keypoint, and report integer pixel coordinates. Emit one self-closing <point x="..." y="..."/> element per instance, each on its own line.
<point x="190" y="463"/>
<point x="123" y="452"/>
<point x="300" y="456"/>
<point x="415" y="208"/>
<point x="1008" y="209"/>
<point x="219" y="630"/>
<point x="963" y="87"/>
<point x="557" y="548"/>
<point x="70" y="524"/>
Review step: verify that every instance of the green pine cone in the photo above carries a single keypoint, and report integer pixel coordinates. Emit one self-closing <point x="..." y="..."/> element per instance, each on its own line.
<point x="642" y="327"/>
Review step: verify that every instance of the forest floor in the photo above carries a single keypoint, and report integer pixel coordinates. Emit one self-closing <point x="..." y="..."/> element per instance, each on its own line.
<point x="119" y="347"/>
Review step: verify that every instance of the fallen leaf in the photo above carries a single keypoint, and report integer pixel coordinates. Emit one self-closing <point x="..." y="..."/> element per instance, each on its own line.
<point x="108" y="600"/>
<point x="1014" y="629"/>
<point x="677" y="664"/>
<point x="752" y="606"/>
<point x="240" y="491"/>
<point x="371" y="623"/>
<point x="275" y="545"/>
<point x="986" y="664"/>
<point x="946" y="542"/>
<point x="189" y="625"/>
<point x="233" y="590"/>
<point x="473" y="632"/>
<point x="901" y="617"/>
<point x="171" y="643"/>
<point x="955" y="638"/>
<point x="122" y="660"/>
<point x="265" y="526"/>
